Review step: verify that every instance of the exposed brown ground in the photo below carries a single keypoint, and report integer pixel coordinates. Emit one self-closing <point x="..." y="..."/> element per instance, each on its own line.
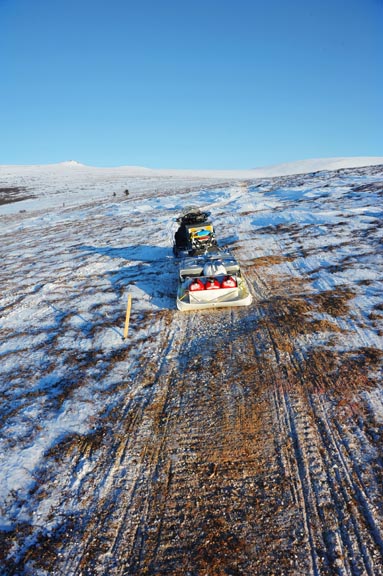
<point x="247" y="445"/>
<point x="236" y="452"/>
<point x="14" y="194"/>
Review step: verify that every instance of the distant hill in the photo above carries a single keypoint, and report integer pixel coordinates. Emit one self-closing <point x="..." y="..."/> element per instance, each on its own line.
<point x="284" y="169"/>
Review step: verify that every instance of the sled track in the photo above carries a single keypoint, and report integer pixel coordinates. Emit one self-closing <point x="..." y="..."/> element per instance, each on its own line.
<point x="228" y="453"/>
<point x="225" y="463"/>
<point x="127" y="470"/>
<point x="220" y="460"/>
<point x="340" y="520"/>
<point x="350" y="492"/>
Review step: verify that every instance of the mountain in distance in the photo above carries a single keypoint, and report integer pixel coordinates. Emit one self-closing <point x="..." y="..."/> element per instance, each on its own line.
<point x="283" y="169"/>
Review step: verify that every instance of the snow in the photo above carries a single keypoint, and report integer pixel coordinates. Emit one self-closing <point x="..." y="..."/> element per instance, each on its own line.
<point x="317" y="164"/>
<point x="73" y="251"/>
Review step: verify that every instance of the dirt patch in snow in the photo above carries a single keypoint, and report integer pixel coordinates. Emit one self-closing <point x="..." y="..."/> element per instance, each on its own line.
<point x="14" y="194"/>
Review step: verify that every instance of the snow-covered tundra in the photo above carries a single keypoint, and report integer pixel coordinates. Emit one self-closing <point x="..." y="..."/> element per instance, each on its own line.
<point x="234" y="441"/>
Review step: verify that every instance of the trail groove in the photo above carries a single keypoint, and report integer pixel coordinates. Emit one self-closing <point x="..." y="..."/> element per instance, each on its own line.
<point x="229" y="462"/>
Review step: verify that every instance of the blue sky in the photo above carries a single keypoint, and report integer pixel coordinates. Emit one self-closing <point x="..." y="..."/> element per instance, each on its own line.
<point x="201" y="84"/>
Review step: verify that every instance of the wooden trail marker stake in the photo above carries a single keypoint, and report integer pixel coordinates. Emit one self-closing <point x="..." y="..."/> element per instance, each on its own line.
<point x="128" y="308"/>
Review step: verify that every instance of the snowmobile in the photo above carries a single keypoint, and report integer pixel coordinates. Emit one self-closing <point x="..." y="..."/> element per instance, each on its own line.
<point x="211" y="281"/>
<point x="195" y="234"/>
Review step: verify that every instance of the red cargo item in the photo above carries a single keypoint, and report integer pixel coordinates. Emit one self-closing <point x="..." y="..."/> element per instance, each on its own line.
<point x="228" y="282"/>
<point x="196" y="284"/>
<point x="212" y="284"/>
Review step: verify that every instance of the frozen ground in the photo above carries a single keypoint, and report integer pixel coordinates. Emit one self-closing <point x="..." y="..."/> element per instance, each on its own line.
<point x="225" y="442"/>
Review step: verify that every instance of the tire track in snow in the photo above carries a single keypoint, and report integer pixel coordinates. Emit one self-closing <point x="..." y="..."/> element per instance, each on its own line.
<point x="226" y="451"/>
<point x="349" y="487"/>
<point x="129" y="473"/>
<point x="332" y="490"/>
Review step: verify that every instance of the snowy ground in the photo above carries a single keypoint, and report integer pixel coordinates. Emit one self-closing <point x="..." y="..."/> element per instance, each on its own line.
<point x="243" y="441"/>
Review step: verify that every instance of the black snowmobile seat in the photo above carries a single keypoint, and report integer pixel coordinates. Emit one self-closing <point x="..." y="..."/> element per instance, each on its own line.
<point x="194" y="217"/>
